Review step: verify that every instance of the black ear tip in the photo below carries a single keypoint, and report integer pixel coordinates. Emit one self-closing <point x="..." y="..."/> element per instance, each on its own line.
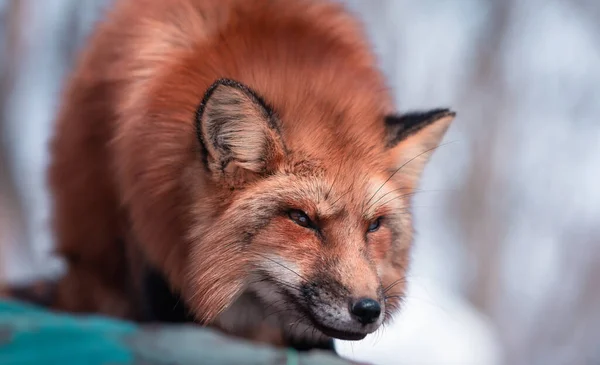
<point x="441" y="113"/>
<point x="450" y="113"/>
<point x="400" y="126"/>
<point x="420" y="117"/>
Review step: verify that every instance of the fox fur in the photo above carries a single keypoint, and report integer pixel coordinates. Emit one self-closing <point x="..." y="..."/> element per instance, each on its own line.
<point x="242" y="150"/>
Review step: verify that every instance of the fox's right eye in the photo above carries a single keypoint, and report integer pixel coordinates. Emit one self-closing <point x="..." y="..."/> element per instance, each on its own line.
<point x="300" y="218"/>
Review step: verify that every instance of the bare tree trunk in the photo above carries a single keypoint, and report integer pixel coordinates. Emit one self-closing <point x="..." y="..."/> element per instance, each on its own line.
<point x="483" y="238"/>
<point x="11" y="210"/>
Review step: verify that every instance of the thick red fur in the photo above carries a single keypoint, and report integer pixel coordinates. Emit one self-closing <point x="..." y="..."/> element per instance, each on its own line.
<point x="130" y="183"/>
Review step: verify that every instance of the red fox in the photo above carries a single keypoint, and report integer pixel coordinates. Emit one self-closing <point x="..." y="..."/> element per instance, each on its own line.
<point x="239" y="164"/>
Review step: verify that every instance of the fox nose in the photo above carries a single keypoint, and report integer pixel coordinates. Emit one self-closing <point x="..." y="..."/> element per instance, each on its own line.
<point x="365" y="310"/>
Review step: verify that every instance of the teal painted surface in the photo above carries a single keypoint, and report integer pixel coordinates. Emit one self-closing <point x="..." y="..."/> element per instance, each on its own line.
<point x="30" y="335"/>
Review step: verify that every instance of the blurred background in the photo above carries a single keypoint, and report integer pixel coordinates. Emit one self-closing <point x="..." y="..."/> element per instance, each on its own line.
<point x="507" y="258"/>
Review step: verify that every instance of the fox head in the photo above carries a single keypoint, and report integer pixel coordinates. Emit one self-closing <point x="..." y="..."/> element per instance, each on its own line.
<point x="321" y="229"/>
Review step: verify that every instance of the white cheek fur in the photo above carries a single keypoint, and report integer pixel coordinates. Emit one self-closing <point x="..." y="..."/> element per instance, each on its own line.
<point x="282" y="270"/>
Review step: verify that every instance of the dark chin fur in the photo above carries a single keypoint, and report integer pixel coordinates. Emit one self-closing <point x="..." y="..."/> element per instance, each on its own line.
<point x="324" y="335"/>
<point x="160" y="304"/>
<point x="304" y="345"/>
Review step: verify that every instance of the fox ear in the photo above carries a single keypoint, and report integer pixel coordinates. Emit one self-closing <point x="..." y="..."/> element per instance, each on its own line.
<point x="237" y="131"/>
<point x="412" y="138"/>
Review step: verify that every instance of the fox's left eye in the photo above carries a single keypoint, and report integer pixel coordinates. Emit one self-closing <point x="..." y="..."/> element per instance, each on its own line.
<point x="374" y="226"/>
<point x="300" y="218"/>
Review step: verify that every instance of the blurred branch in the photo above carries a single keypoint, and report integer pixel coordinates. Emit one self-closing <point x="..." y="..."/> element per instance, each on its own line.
<point x="10" y="205"/>
<point x="591" y="9"/>
<point x="480" y="223"/>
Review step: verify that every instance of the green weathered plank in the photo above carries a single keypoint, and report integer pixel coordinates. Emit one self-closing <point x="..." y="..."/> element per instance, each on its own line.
<point x="31" y="335"/>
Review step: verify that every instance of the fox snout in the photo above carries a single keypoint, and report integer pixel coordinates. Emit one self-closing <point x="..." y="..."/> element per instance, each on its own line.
<point x="338" y="312"/>
<point x="347" y="307"/>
